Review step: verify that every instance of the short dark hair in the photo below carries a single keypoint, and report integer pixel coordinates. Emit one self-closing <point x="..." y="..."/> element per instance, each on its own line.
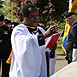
<point x="67" y="14"/>
<point x="1" y="17"/>
<point x="28" y="8"/>
<point x="7" y="21"/>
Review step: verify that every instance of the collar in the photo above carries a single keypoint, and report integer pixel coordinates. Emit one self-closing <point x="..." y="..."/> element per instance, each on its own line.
<point x="74" y="23"/>
<point x="32" y="29"/>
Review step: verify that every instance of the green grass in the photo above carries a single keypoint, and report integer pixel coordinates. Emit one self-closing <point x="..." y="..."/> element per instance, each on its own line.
<point x="59" y="45"/>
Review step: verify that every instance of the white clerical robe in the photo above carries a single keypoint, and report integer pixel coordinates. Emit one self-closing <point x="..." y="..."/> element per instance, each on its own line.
<point x="27" y="58"/>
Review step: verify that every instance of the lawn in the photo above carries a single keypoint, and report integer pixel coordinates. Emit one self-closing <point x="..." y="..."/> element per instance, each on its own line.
<point x="59" y="45"/>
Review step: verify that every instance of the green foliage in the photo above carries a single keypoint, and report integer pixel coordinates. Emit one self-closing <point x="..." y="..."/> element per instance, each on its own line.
<point x="48" y="9"/>
<point x="55" y="22"/>
<point x="59" y="45"/>
<point x="60" y="24"/>
<point x="51" y="9"/>
<point x="1" y="3"/>
<point x="7" y="9"/>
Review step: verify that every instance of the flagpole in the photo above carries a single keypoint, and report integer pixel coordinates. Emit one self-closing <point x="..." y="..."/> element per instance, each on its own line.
<point x="1" y="67"/>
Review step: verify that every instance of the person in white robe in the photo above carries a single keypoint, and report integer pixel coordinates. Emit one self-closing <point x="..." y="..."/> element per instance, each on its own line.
<point x="28" y="58"/>
<point x="52" y="63"/>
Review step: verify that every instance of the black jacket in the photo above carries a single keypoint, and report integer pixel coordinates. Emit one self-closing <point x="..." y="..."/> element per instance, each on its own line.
<point x="5" y="42"/>
<point x="72" y="41"/>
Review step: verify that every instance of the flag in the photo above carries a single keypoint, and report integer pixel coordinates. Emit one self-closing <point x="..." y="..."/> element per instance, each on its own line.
<point x="10" y="57"/>
<point x="72" y="8"/>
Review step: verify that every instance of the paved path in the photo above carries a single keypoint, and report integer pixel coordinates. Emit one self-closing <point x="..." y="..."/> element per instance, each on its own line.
<point x="68" y="71"/>
<point x="61" y="62"/>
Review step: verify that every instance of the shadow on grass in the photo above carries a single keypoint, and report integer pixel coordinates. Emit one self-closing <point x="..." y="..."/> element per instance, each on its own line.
<point x="61" y="59"/>
<point x="60" y="54"/>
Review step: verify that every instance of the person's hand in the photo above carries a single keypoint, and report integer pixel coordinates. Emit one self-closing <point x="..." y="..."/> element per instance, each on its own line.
<point x="51" y="30"/>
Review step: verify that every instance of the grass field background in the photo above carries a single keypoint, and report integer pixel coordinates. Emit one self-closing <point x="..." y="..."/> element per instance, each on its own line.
<point x="59" y="45"/>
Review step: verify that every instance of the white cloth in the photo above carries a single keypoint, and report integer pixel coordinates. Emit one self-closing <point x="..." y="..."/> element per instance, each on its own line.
<point x="27" y="55"/>
<point x="74" y="54"/>
<point x="52" y="64"/>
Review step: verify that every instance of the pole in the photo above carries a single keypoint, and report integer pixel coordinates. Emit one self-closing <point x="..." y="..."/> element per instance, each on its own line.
<point x="1" y="67"/>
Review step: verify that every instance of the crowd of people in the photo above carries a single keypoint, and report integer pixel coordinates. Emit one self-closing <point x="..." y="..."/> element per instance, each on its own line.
<point x="26" y="43"/>
<point x="5" y="44"/>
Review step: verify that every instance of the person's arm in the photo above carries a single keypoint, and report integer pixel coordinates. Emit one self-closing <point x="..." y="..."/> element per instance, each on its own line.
<point x="74" y="39"/>
<point x="69" y="45"/>
<point x="41" y="41"/>
<point x="46" y="34"/>
<point x="74" y="36"/>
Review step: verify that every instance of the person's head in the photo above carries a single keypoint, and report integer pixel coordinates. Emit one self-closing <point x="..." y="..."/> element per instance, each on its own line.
<point x="7" y="22"/>
<point x="33" y="1"/>
<point x="1" y="20"/>
<point x="69" y="17"/>
<point x="31" y="14"/>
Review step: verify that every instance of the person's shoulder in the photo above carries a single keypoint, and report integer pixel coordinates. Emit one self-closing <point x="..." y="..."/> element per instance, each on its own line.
<point x="40" y="28"/>
<point x="20" y="27"/>
<point x="75" y="25"/>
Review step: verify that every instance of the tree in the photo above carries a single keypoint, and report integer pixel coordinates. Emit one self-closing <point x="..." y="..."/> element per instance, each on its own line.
<point x="51" y="9"/>
<point x="7" y="10"/>
<point x="48" y="9"/>
<point x="1" y="3"/>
